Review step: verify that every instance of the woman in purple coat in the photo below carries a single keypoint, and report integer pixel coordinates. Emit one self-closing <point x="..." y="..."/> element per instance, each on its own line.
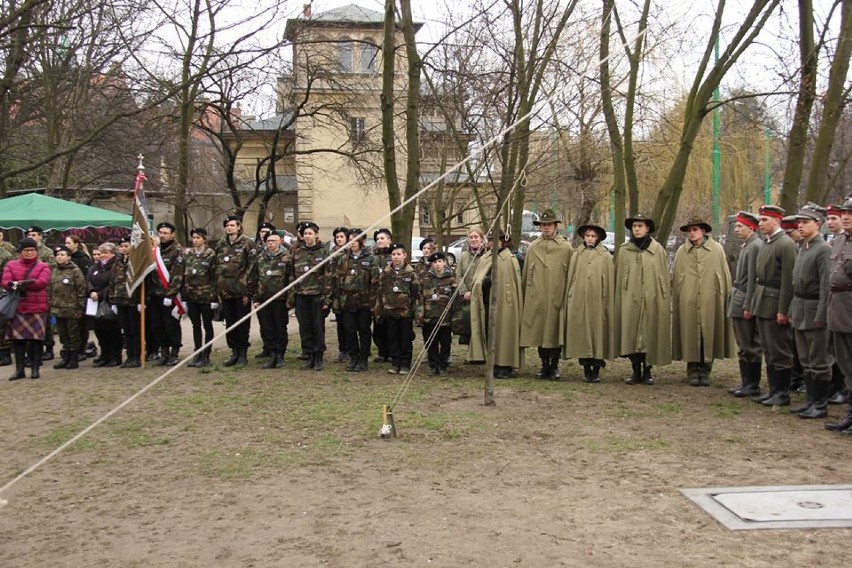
<point x="30" y="278"/>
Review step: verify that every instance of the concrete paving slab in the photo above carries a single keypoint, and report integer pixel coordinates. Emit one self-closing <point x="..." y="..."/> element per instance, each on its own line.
<point x="777" y="507"/>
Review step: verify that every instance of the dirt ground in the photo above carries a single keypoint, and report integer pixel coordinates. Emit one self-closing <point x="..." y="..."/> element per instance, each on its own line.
<point x="284" y="468"/>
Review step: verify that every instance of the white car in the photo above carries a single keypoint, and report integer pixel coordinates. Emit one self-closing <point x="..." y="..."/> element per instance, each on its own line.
<point x="454" y="250"/>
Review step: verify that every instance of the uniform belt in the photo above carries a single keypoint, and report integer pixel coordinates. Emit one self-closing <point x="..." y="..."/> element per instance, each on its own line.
<point x="765" y="284"/>
<point x="807" y="296"/>
<point x="841" y="288"/>
<point x="740" y="288"/>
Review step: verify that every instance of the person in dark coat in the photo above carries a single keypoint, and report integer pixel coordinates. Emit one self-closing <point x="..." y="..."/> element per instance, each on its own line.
<point x="108" y="331"/>
<point x="382" y="252"/>
<point x="839" y="310"/>
<point x="128" y="306"/>
<point x="30" y="277"/>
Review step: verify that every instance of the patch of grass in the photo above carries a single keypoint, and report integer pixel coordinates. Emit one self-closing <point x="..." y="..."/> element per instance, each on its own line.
<point x="449" y="426"/>
<point x="733" y="439"/>
<point x="138" y="433"/>
<point x="244" y="463"/>
<point x="726" y="409"/>
<point x="59" y="436"/>
<point x="619" y="444"/>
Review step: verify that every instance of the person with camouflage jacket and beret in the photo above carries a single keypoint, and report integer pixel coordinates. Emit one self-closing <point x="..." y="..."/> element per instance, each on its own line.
<point x="6" y="254"/>
<point x="356" y="284"/>
<point x="272" y="272"/>
<point x="128" y="306"/>
<point x="399" y="291"/>
<point x="436" y="291"/>
<point x="312" y="295"/>
<point x="67" y="292"/>
<point x="235" y="254"/>
<point x="162" y="291"/>
<point x="199" y="293"/>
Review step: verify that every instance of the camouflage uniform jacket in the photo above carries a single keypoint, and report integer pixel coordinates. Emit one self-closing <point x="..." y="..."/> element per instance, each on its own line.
<point x="199" y="276"/>
<point x="118" y="285"/>
<point x="319" y="282"/>
<point x="45" y="254"/>
<point x="67" y="291"/>
<point x="233" y="263"/>
<point x="422" y="268"/>
<point x="270" y="274"/>
<point x="435" y="293"/>
<point x="383" y="257"/>
<point x="356" y="281"/>
<point x="172" y="254"/>
<point x="399" y="290"/>
<point x="5" y="256"/>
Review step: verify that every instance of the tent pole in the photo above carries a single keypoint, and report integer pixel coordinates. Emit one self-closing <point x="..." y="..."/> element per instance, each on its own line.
<point x="142" y="352"/>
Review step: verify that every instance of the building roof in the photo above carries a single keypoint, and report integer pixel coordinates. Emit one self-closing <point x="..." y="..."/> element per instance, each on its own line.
<point x="268" y="124"/>
<point x="348" y="16"/>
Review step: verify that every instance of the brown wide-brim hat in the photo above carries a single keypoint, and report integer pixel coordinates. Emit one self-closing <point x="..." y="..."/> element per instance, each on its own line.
<point x="599" y="230"/>
<point x="549" y="216"/>
<point x="628" y="223"/>
<point x="696" y="222"/>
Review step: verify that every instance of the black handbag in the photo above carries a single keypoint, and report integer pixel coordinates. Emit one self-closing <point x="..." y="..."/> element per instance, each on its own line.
<point x="105" y="312"/>
<point x="9" y="300"/>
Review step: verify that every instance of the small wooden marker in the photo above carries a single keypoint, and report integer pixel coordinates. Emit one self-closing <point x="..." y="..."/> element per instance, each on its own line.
<point x="388" y="427"/>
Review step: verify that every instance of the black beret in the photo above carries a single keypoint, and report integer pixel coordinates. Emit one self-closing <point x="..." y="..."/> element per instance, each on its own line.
<point x="166" y="225"/>
<point x="61" y="248"/>
<point x="354" y="232"/>
<point x="395" y="246"/>
<point x="124" y="239"/>
<point x="230" y="218"/>
<point x="35" y="229"/>
<point x="308" y="225"/>
<point x="380" y="231"/>
<point x="267" y="225"/>
<point x="437" y="256"/>
<point x="199" y="231"/>
<point x="343" y="230"/>
<point x="426" y="241"/>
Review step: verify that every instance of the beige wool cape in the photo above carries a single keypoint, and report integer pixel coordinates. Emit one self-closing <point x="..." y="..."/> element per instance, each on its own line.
<point x="508" y="345"/>
<point x="544" y="282"/>
<point x="701" y="286"/>
<point x="589" y="329"/>
<point x="643" y="303"/>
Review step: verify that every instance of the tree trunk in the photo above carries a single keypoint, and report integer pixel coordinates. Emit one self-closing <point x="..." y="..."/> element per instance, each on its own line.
<point x="835" y="101"/>
<point x="619" y="182"/>
<point x="798" y="136"/>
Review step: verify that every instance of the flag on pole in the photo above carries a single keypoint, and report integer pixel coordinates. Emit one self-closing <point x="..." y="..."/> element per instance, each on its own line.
<point x="141" y="246"/>
<point x="165" y="277"/>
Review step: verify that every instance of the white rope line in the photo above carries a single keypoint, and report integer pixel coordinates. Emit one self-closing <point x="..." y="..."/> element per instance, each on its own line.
<point x="475" y="153"/>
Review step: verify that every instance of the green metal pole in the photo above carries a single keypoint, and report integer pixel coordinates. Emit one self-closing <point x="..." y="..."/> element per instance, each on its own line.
<point x="767" y="160"/>
<point x="717" y="153"/>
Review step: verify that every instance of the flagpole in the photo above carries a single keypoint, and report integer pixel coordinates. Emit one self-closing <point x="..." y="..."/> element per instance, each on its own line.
<point x="143" y="354"/>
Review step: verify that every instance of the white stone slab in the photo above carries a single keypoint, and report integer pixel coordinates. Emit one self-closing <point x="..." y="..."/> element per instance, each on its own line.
<point x="777" y="507"/>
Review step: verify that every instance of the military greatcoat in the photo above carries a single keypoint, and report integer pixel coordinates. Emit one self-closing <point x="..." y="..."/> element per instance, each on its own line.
<point x="589" y="329"/>
<point x="701" y="285"/>
<point x="544" y="281"/>
<point x="643" y="302"/>
<point x="509" y="307"/>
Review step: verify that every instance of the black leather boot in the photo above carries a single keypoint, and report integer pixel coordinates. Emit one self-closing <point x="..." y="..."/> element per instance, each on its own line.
<point x="782" y="388"/>
<point x="636" y="364"/>
<point x="821" y="391"/>
<point x="843" y="423"/>
<point x="744" y="376"/>
<point x="752" y="381"/>
<point x="693" y="374"/>
<point x="232" y="360"/>
<point x="309" y="362"/>
<point x="596" y="366"/>
<point x="242" y="357"/>
<point x="72" y="360"/>
<point x="354" y="363"/>
<point x="5" y="357"/>
<point x="544" y="356"/>
<point x="174" y="357"/>
<point x="35" y="359"/>
<point x="20" y="350"/>
<point x="587" y="370"/>
<point x="555" y="353"/>
<point x="770" y="381"/>
<point x="273" y="361"/>
<point x="318" y="364"/>
<point x="838" y="394"/>
<point x="63" y="360"/>
<point x="647" y="378"/>
<point x="809" y="401"/>
<point x="48" y="354"/>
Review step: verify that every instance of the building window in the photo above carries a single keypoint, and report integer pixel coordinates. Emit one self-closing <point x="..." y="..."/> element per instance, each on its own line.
<point x="460" y="217"/>
<point x="344" y="56"/>
<point x="425" y="219"/>
<point x="357" y="133"/>
<point x="369" y="54"/>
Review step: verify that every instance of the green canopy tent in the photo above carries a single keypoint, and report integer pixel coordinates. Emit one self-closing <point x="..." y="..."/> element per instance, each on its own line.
<point x="50" y="213"/>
